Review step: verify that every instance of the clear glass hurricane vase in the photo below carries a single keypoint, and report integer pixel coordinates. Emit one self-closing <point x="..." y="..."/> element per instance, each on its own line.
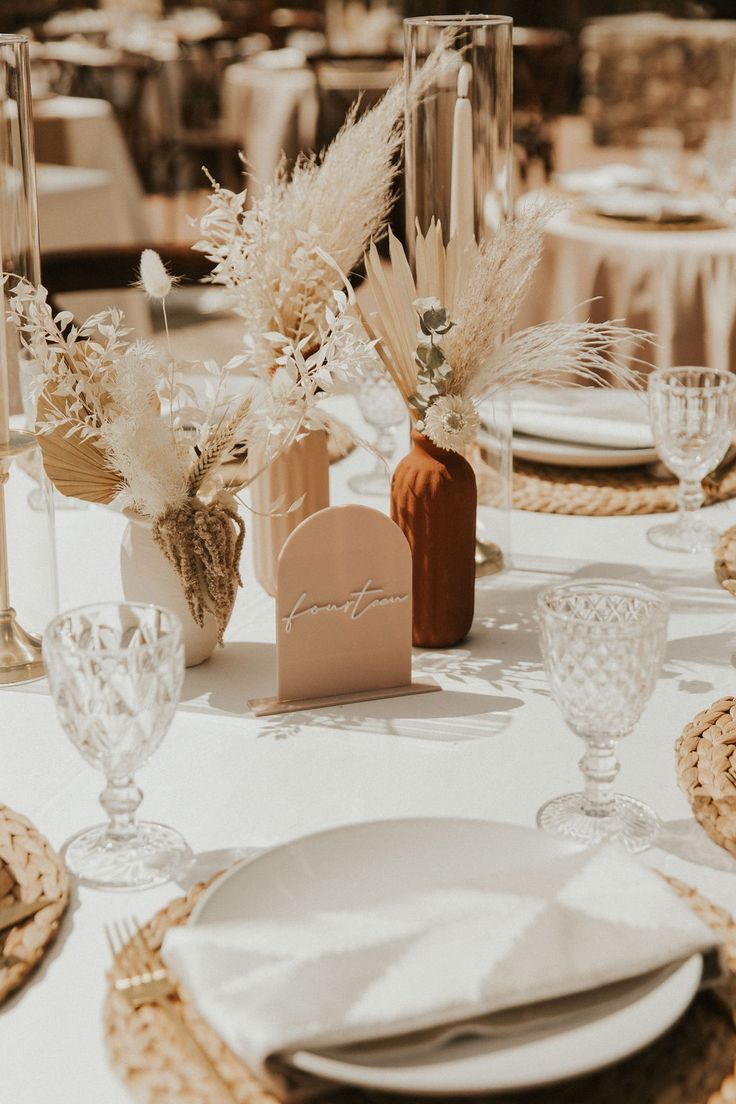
<point x="459" y="172"/>
<point x="28" y="583"/>
<point x="459" y="169"/>
<point x="116" y="672"/>
<point x="602" y="643"/>
<point x="692" y="416"/>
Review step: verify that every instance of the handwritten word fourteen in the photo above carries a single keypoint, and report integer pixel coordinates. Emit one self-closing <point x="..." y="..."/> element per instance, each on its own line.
<point x="355" y="606"/>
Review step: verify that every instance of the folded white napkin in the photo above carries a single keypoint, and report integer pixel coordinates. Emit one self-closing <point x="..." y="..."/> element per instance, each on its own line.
<point x="604" y="416"/>
<point x="329" y="978"/>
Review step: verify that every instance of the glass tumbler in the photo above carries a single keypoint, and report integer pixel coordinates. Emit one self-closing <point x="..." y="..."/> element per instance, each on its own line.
<point x="691" y="411"/>
<point x="116" y="671"/>
<point x="602" y="642"/>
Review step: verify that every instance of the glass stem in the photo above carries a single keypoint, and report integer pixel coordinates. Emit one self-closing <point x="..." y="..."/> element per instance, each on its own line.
<point x="384" y="443"/>
<point x="120" y="799"/>
<point x="600" y="767"/>
<point x="690" y="498"/>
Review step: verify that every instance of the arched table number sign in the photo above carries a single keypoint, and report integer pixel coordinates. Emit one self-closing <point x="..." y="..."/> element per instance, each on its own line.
<point x="343" y="613"/>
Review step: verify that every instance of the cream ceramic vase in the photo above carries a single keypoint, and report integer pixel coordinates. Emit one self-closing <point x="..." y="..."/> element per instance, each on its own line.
<point x="148" y="576"/>
<point x="302" y="469"/>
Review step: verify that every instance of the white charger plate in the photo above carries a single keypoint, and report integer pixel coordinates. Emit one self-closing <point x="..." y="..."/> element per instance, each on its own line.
<point x="357" y="864"/>
<point x="545" y="451"/>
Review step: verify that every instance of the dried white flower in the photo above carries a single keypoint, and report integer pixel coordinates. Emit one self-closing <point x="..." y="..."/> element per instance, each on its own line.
<point x="451" y="422"/>
<point x="155" y="278"/>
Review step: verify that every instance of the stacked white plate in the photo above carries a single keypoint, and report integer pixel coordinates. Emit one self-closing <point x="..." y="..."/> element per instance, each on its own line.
<point x="587" y="427"/>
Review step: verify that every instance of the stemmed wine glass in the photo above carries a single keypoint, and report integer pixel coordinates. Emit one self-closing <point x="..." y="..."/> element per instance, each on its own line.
<point x="383" y="408"/>
<point x="691" y="412"/>
<point x="602" y="643"/>
<point x="116" y="671"/>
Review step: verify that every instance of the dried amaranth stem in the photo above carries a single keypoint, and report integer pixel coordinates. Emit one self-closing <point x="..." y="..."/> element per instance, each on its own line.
<point x="202" y="542"/>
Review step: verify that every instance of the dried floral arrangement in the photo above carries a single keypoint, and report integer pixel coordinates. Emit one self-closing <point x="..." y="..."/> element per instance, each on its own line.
<point x="117" y="419"/>
<point x="283" y="259"/>
<point x="443" y="336"/>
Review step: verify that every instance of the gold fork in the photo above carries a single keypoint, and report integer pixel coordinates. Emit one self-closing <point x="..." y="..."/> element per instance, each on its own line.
<point x="143" y="979"/>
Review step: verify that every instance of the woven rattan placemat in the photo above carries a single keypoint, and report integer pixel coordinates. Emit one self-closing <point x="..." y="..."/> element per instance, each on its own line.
<point x="705" y="757"/>
<point x="694" y="1063"/>
<point x="35" y="871"/>
<point x="603" y="492"/>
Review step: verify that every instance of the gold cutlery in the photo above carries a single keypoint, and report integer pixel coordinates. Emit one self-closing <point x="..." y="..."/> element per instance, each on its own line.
<point x="10" y="915"/>
<point x="143" y="979"/>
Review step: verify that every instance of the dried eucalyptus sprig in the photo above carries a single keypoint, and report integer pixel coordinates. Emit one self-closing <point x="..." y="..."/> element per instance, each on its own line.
<point x="449" y="421"/>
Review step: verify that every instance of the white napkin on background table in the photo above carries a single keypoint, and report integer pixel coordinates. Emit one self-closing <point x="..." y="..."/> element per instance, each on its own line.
<point x="604" y="416"/>
<point x="325" y="979"/>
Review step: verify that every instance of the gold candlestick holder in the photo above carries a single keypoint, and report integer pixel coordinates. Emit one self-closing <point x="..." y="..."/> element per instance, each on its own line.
<point x="20" y="651"/>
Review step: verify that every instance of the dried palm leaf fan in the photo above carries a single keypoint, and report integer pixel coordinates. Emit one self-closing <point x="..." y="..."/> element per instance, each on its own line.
<point x="77" y="468"/>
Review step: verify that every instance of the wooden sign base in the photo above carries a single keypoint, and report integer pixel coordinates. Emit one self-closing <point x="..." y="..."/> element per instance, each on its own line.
<point x="269" y="707"/>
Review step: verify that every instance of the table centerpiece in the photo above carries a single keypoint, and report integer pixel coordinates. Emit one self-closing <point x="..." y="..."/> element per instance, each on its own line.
<point x="283" y="257"/>
<point x="445" y="337"/>
<point x="118" y="420"/>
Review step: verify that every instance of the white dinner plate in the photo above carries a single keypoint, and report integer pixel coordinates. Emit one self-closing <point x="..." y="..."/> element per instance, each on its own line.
<point x="355" y="865"/>
<point x="545" y="451"/>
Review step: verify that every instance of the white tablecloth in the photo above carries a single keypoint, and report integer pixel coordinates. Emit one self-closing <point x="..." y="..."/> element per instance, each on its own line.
<point x="493" y="745"/>
<point x="78" y="206"/>
<point x="269" y="112"/>
<point x="681" y="285"/>
<point x="75" y="130"/>
<point x="81" y="207"/>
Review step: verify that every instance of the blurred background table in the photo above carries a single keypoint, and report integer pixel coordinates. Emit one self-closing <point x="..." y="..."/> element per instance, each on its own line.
<point x="84" y="132"/>
<point x="678" y="284"/>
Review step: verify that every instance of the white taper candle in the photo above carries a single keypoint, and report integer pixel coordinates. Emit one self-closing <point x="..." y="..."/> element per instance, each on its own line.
<point x="462" y="214"/>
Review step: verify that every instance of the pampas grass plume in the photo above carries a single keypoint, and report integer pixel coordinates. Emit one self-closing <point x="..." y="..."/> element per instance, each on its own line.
<point x="155" y="279"/>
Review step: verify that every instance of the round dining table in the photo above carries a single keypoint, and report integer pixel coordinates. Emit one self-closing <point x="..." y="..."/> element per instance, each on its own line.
<point x="492" y="745"/>
<point x="678" y="283"/>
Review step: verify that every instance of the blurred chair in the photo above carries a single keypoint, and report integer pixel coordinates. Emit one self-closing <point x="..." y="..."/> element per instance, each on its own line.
<point x="545" y="83"/>
<point x="545" y="71"/>
<point x="186" y="125"/>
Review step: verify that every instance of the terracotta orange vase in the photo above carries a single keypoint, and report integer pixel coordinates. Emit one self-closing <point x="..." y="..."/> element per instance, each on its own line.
<point x="433" y="500"/>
